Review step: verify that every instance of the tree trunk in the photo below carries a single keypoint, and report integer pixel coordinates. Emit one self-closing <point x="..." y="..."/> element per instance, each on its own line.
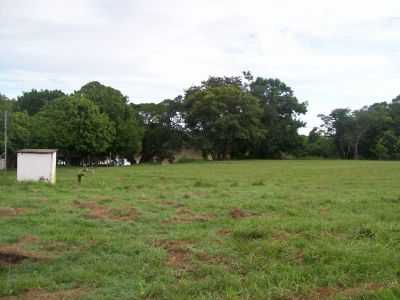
<point x="356" y="156"/>
<point x="357" y="142"/>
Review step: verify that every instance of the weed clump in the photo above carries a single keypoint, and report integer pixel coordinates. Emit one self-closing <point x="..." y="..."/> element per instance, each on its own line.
<point x="392" y="200"/>
<point x="365" y="233"/>
<point x="235" y="184"/>
<point x="203" y="184"/>
<point x="258" y="183"/>
<point x="249" y="234"/>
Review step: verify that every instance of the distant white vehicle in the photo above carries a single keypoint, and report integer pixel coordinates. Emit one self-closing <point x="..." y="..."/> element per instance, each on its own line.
<point x="119" y="162"/>
<point x="61" y="162"/>
<point x="123" y="162"/>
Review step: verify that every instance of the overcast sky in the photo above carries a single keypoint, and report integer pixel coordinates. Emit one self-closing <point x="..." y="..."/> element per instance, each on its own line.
<point x="332" y="53"/>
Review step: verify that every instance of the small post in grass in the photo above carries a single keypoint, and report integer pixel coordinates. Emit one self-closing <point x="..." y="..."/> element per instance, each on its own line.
<point x="80" y="175"/>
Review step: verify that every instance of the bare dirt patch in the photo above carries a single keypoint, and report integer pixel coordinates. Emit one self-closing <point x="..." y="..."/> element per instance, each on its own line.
<point x="281" y="236"/>
<point x="224" y="232"/>
<point x="11" y="212"/>
<point x="325" y="293"/>
<point x="362" y="290"/>
<point x="15" y="253"/>
<point x="238" y="213"/>
<point x="98" y="211"/>
<point x="187" y="216"/>
<point x="212" y="259"/>
<point x="172" y="203"/>
<point x="40" y="294"/>
<point x="323" y="211"/>
<point x="28" y="239"/>
<point x="298" y="258"/>
<point x="12" y="255"/>
<point x="178" y="253"/>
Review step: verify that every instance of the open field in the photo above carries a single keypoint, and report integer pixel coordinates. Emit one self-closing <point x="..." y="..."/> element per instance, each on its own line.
<point x="218" y="230"/>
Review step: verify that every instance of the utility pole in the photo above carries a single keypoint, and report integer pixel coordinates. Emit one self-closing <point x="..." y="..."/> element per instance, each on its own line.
<point x="5" y="140"/>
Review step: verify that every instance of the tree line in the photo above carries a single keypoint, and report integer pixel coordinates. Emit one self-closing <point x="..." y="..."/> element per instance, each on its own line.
<point x="223" y="118"/>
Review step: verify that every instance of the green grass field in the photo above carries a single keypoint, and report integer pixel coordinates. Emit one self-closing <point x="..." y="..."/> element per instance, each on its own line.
<point x="217" y="230"/>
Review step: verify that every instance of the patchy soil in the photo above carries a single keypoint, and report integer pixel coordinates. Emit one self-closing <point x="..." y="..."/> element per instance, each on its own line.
<point x="224" y="232"/>
<point x="178" y="253"/>
<point x="323" y="211"/>
<point x="213" y="259"/>
<point x="15" y="253"/>
<point x="98" y="211"/>
<point x="12" y="255"/>
<point x="172" y="203"/>
<point x="40" y="294"/>
<point x="11" y="212"/>
<point x="237" y="213"/>
<point x="281" y="236"/>
<point x="187" y="216"/>
<point x="363" y="290"/>
<point x="298" y="258"/>
<point x="325" y="293"/>
<point x="28" y="239"/>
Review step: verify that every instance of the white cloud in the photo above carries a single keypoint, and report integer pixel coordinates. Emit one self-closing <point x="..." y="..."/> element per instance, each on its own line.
<point x="333" y="53"/>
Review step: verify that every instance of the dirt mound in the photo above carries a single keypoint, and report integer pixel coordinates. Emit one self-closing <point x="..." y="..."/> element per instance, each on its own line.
<point x="237" y="213"/>
<point x="362" y="290"/>
<point x="187" y="216"/>
<point x="97" y="211"/>
<point x="224" y="232"/>
<point x="11" y="258"/>
<point x="171" y="203"/>
<point x="12" y="255"/>
<point x="323" y="293"/>
<point x="178" y="253"/>
<point x="11" y="212"/>
<point x="40" y="294"/>
<point x="28" y="239"/>
<point x="212" y="259"/>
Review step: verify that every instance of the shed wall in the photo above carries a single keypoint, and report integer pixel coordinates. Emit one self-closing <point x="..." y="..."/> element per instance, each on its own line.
<point x="36" y="167"/>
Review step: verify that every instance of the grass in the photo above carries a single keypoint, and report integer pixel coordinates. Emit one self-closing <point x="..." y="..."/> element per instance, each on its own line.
<point x="216" y="230"/>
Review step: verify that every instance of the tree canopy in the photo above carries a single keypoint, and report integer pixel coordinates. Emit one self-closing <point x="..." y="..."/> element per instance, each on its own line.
<point x="74" y="125"/>
<point x="223" y="117"/>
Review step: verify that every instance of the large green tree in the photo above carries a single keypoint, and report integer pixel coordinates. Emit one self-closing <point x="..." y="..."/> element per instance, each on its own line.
<point x="280" y="117"/>
<point x="75" y="126"/>
<point x="339" y="125"/>
<point x="128" y="132"/>
<point x="357" y="132"/>
<point x="223" y="117"/>
<point x="164" y="134"/>
<point x="317" y="144"/>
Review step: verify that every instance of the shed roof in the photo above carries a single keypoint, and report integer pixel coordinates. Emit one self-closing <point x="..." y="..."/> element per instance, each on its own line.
<point x="38" y="151"/>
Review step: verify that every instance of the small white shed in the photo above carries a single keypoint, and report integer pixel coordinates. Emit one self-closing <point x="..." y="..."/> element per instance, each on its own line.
<point x="36" y="165"/>
<point x="2" y="164"/>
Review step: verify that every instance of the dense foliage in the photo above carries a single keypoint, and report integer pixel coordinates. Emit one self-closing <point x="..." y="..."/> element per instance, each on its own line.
<point x="223" y="118"/>
<point x="372" y="132"/>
